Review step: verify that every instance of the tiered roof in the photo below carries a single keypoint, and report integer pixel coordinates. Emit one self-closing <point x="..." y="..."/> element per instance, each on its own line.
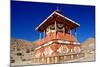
<point x="56" y="16"/>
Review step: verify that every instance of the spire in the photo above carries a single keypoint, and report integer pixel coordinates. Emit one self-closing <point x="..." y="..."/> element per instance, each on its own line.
<point x="57" y="9"/>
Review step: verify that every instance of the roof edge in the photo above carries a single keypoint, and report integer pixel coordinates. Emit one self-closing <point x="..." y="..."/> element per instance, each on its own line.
<point x="45" y="20"/>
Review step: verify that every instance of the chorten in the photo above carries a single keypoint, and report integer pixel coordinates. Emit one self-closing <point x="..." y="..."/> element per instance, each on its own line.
<point x="58" y="41"/>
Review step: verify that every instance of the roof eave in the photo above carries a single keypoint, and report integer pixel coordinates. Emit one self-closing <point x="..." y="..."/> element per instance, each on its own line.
<point x="45" y="20"/>
<point x="68" y="19"/>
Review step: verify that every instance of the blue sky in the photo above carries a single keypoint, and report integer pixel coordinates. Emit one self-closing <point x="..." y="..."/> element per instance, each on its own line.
<point x="26" y="16"/>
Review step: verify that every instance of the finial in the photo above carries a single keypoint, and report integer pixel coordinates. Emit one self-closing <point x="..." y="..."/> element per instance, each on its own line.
<point x="57" y="10"/>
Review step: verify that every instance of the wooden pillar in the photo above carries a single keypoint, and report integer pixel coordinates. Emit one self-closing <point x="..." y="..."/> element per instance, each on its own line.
<point x="34" y="60"/>
<point x="72" y="54"/>
<point x="45" y="60"/>
<point x="64" y="57"/>
<point x="77" y="55"/>
<point x="42" y="59"/>
<point x="70" y="34"/>
<point x="44" y="33"/>
<point x="57" y="59"/>
<point x="63" y="31"/>
<point x="75" y="33"/>
<point x="53" y="59"/>
<point x="38" y="60"/>
<point x="55" y="29"/>
<point x="49" y="31"/>
<point x="40" y="36"/>
<point x="48" y="60"/>
<point x="72" y="57"/>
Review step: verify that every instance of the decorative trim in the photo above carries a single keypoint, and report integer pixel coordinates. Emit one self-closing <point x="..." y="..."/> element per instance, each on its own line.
<point x="59" y="41"/>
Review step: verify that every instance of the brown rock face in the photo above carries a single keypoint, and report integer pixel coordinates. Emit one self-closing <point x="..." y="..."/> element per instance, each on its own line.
<point x="22" y="51"/>
<point x="88" y="45"/>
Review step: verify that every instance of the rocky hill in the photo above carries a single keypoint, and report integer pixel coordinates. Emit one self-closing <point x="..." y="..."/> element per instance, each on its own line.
<point x="22" y="51"/>
<point x="88" y="45"/>
<point x="88" y="48"/>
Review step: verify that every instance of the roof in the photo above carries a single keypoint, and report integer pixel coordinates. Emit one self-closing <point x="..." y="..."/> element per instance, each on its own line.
<point x="60" y="36"/>
<point x="56" y="16"/>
